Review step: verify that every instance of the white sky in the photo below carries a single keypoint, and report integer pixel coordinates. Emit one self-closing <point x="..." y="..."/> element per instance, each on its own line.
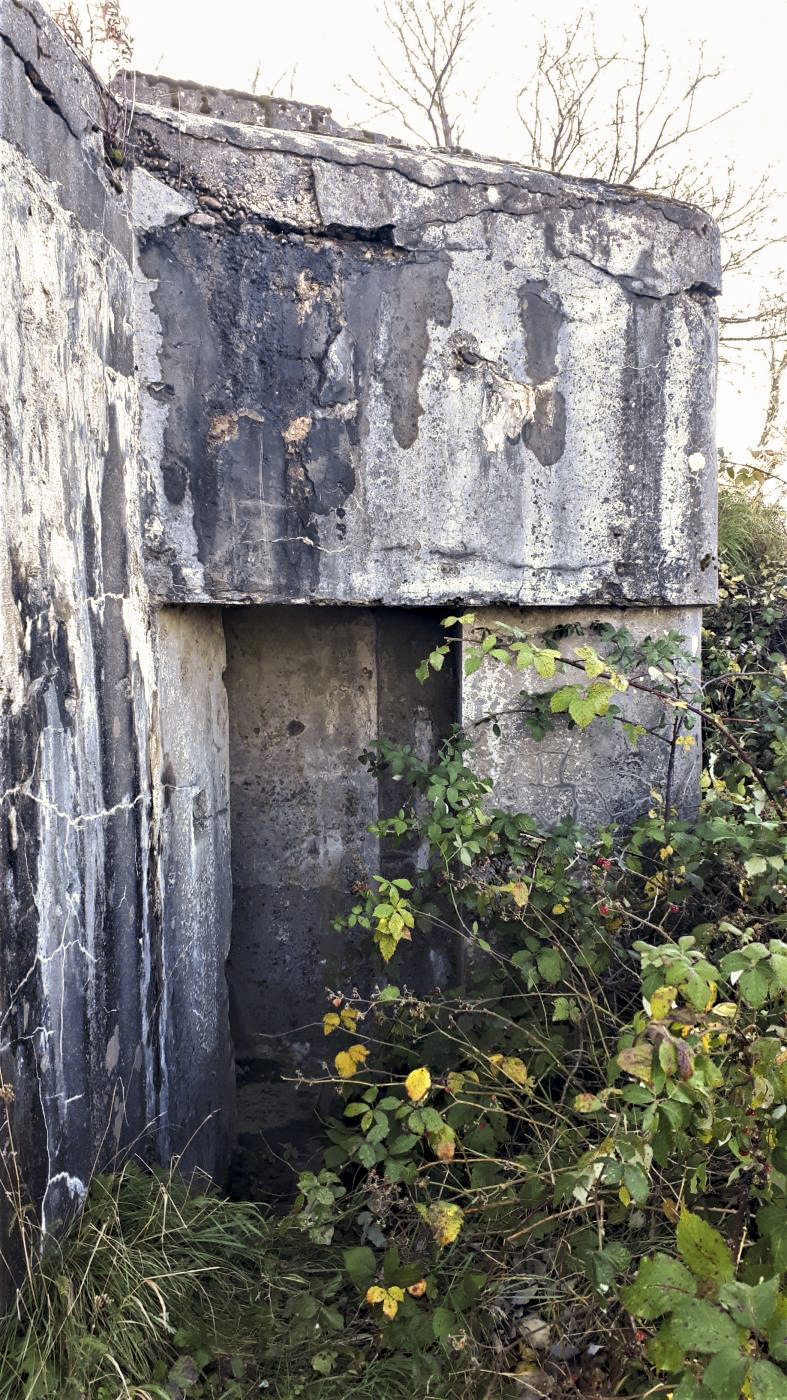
<point x="329" y="42"/>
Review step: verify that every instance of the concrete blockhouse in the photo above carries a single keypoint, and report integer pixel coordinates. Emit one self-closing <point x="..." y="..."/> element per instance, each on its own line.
<point x="274" y="397"/>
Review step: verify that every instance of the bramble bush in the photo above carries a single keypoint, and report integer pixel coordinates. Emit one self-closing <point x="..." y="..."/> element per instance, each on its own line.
<point x="567" y="1176"/>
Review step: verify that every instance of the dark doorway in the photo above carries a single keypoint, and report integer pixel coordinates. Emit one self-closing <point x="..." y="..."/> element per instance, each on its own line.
<point x="308" y="689"/>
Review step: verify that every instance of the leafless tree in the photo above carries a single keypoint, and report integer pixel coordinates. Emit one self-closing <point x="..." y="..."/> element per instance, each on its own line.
<point x="618" y="117"/>
<point x="101" y="34"/>
<point x="428" y="39"/>
<point x="624" y="118"/>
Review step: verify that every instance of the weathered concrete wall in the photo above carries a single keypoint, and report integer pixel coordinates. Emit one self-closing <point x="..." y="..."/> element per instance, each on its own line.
<point x="76" y="674"/>
<point x="194" y="1051"/>
<point x="398" y="376"/>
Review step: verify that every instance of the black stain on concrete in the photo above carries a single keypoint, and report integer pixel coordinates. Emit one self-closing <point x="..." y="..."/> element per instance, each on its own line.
<point x="542" y="317"/>
<point x="545" y="436"/>
<point x="265" y="337"/>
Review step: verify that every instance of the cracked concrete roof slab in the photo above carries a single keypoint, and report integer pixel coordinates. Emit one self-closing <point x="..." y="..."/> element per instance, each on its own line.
<point x="503" y="380"/>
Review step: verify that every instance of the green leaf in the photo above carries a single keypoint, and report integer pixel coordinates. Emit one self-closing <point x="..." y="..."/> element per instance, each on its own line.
<point x="725" y="1374"/>
<point x="444" y="1324"/>
<point x="323" y="1362"/>
<point x="473" y="663"/>
<point x="582" y="711"/>
<point x="699" y="1326"/>
<point x="779" y="969"/>
<point x="690" y="1389"/>
<point x="772" y="1226"/>
<point x="389" y="994"/>
<point x="635" y="1180"/>
<point x="561" y="699"/>
<point x="550" y="965"/>
<point x="607" y="1263"/>
<point x="664" y="1352"/>
<point x="753" y="987"/>
<point x="703" y="1250"/>
<point x="755" y="865"/>
<point x="661" y="1284"/>
<point x="777" y="1330"/>
<point x="401" y="1144"/>
<point x="360" y="1264"/>
<point x="767" y="1382"/>
<point x="751" y="1306"/>
<point x="637" y="1094"/>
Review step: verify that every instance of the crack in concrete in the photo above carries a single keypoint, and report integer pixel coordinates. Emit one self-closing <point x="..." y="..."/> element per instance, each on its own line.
<point x="37" y="83"/>
<point x="127" y="804"/>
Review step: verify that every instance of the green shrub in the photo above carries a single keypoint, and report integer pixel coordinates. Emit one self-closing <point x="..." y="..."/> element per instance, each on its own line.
<point x="614" y="1065"/>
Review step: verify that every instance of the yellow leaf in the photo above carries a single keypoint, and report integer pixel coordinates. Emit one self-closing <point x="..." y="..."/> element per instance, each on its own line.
<point x="454" y="1082"/>
<point x="670" y="1210"/>
<point x="443" y="1143"/>
<point x="418" y="1083"/>
<point x="347" y="1062"/>
<point x="345" y="1065"/>
<point x="389" y="1297"/>
<point x="417" y="1290"/>
<point x="665" y="852"/>
<point x="515" y="1069"/>
<point x="593" y="663"/>
<point x="624" y="1196"/>
<point x="519" y="893"/>
<point x="661" y="1000"/>
<point x="349" y="1017"/>
<point x="330" y="1022"/>
<point x="445" y="1221"/>
<point x="558" y="908"/>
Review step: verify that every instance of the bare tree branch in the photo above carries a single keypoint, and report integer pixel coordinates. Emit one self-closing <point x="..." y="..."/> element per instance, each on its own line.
<point x="429" y="36"/>
<point x="624" y="119"/>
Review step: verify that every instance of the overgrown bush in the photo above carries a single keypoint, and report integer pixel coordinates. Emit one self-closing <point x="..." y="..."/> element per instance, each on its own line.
<point x="163" y="1290"/>
<point x="568" y="1175"/>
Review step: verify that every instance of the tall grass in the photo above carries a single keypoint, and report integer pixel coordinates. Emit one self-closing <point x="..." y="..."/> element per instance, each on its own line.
<point x="752" y="531"/>
<point x="152" y="1274"/>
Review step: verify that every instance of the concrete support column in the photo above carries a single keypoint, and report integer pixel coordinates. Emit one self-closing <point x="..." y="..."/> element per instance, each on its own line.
<point x="593" y="775"/>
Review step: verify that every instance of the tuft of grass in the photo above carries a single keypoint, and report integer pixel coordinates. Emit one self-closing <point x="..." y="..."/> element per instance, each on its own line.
<point x="752" y="531"/>
<point x="152" y="1277"/>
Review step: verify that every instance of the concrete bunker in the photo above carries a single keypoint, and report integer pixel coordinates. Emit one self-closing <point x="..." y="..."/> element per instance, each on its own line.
<point x="278" y="395"/>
